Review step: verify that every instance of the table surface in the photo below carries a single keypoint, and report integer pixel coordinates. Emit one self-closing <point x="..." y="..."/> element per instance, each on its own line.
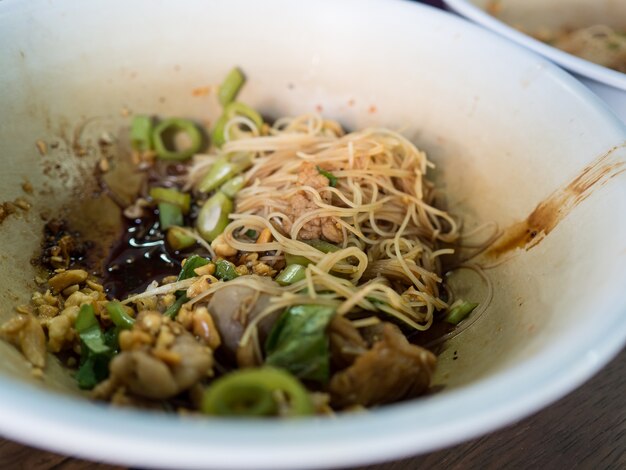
<point x="586" y="430"/>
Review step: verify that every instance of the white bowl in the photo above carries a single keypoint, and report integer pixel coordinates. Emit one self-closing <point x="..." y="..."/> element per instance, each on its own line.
<point x="533" y="15"/>
<point x="505" y="134"/>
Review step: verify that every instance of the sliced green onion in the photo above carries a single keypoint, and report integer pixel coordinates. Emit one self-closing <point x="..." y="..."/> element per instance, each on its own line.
<point x="332" y="179"/>
<point x="225" y="270"/>
<point x="176" y="125"/>
<point x="230" y="86"/>
<point x="217" y="136"/>
<point x="213" y="216"/>
<point x="187" y="272"/>
<point x="119" y="316"/>
<point x="459" y="312"/>
<point x="141" y="133"/>
<point x="173" y="196"/>
<point x="224" y="169"/>
<point x="170" y="215"/>
<point x="237" y="108"/>
<point x="297" y="259"/>
<point x="173" y="309"/>
<point x="230" y="111"/>
<point x="178" y="239"/>
<point x="233" y="186"/>
<point x="89" y="330"/>
<point x="252" y="392"/>
<point x="291" y="274"/>
<point x="252" y="234"/>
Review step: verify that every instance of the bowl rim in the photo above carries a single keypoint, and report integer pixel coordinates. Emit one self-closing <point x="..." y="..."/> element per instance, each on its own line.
<point x="92" y="431"/>
<point x="571" y="62"/>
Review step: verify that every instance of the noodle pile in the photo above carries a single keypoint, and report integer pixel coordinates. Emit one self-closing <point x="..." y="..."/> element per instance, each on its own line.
<point x="380" y="210"/>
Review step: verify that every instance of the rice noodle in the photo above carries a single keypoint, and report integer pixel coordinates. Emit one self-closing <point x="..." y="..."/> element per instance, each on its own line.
<point x="381" y="208"/>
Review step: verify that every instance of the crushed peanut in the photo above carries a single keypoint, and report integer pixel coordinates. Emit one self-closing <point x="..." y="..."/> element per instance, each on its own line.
<point x="207" y="269"/>
<point x="222" y="248"/>
<point x="67" y="278"/>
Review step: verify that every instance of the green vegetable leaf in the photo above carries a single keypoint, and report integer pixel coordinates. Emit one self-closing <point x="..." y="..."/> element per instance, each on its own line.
<point x="93" y="370"/>
<point x="193" y="262"/>
<point x="97" y="348"/>
<point x="332" y="179"/>
<point x="225" y="270"/>
<point x="298" y="342"/>
<point x="89" y="331"/>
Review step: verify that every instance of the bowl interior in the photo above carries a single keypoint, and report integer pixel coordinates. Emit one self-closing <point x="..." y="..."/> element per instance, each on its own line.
<point x="534" y="15"/>
<point x="502" y="142"/>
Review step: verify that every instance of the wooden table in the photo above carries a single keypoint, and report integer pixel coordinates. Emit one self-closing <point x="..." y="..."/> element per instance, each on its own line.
<point x="585" y="430"/>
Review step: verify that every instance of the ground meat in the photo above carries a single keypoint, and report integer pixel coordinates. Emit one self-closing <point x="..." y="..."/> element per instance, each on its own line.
<point x="393" y="369"/>
<point x="303" y="203"/>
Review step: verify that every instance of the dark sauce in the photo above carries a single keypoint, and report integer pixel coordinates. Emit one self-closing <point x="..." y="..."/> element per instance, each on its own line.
<point x="139" y="257"/>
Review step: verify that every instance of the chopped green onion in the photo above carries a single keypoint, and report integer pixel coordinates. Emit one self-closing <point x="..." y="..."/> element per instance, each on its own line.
<point x="233" y="186"/>
<point x="332" y="179"/>
<point x="213" y="216"/>
<point x="193" y="262"/>
<point x="230" y="111"/>
<point x="89" y="330"/>
<point x="225" y="270"/>
<point x="119" y="316"/>
<point x="224" y="169"/>
<point x="217" y="136"/>
<point x="170" y="215"/>
<point x="252" y="234"/>
<point x="252" y="393"/>
<point x="297" y="259"/>
<point x="173" y="196"/>
<point x="141" y="133"/>
<point x="291" y="274"/>
<point x="230" y="86"/>
<point x="173" y="309"/>
<point x="176" y="125"/>
<point x="459" y="312"/>
<point x="237" y="108"/>
<point x="187" y="272"/>
<point x="178" y="239"/>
